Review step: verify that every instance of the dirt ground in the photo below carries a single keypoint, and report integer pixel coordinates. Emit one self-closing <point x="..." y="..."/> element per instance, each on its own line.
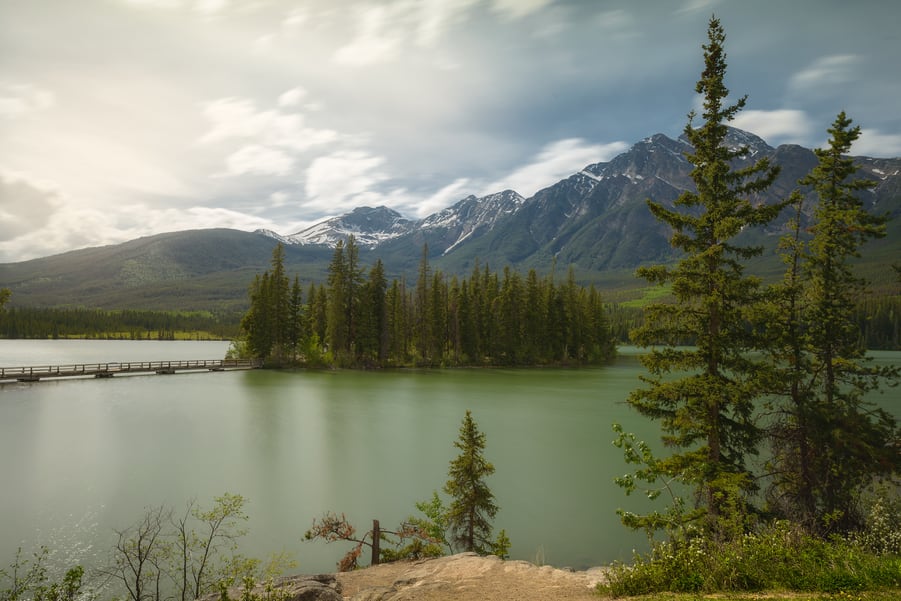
<point x="467" y="577"/>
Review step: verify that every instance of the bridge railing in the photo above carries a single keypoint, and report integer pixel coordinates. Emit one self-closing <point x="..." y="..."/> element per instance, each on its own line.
<point x="85" y="369"/>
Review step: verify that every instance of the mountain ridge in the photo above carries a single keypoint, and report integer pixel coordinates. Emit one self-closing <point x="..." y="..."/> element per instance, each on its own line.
<point x="595" y="220"/>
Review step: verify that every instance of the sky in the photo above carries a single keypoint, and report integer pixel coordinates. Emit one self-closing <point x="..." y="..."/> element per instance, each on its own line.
<point x="126" y="118"/>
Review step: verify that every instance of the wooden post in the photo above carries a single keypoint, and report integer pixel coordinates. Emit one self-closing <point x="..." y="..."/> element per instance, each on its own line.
<point x="376" y="539"/>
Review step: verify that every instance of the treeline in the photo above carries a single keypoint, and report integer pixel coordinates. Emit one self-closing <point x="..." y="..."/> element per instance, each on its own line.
<point x="358" y="318"/>
<point x="878" y="320"/>
<point x="880" y="323"/>
<point x="38" y="322"/>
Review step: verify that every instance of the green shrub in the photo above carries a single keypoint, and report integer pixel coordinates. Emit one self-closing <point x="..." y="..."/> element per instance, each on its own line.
<point x="882" y="531"/>
<point x="779" y="557"/>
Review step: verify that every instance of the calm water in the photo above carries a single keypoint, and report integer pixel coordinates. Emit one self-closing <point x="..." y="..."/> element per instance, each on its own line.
<point x="81" y="457"/>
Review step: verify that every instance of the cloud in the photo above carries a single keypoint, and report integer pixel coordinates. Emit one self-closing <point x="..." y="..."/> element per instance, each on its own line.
<point x="291" y="97"/>
<point x="259" y="160"/>
<point x="876" y="144"/>
<point x="693" y="6"/>
<point x="517" y="9"/>
<point x="296" y="17"/>
<point x="207" y="8"/>
<point x="384" y="30"/>
<point x="74" y="225"/>
<point x="274" y="136"/>
<point x="278" y="199"/>
<point x="826" y="71"/>
<point x="776" y="127"/>
<point x="17" y="99"/>
<point x="239" y="118"/>
<point x="378" y="38"/>
<point x="436" y="16"/>
<point x="443" y="198"/>
<point x="342" y="180"/>
<point x="24" y="206"/>
<point x="155" y="3"/>
<point x="554" y="162"/>
<point x="210" y="7"/>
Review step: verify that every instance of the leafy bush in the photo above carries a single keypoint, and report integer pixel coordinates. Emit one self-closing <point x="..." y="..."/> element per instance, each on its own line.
<point x="882" y="531"/>
<point x="31" y="579"/>
<point x="780" y="557"/>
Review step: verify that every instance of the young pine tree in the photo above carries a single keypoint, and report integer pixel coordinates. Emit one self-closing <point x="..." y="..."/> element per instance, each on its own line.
<point x="706" y="413"/>
<point x="472" y="508"/>
<point x="839" y="442"/>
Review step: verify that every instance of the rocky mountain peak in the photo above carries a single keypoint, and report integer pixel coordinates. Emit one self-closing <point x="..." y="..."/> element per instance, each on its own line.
<point x="370" y="226"/>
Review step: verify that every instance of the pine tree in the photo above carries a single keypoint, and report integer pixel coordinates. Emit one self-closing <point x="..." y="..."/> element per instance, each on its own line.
<point x="337" y="331"/>
<point x="267" y="325"/>
<point x="295" y="307"/>
<point x="472" y="509"/>
<point x="279" y="304"/>
<point x="424" y="307"/>
<point x="707" y="415"/>
<point x="354" y="300"/>
<point x="791" y="463"/>
<point x="372" y="338"/>
<point x="848" y="441"/>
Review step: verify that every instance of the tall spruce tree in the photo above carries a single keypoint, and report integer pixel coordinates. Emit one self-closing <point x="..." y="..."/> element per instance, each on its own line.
<point x="472" y="509"/>
<point x="279" y="305"/>
<point x="830" y="443"/>
<point x="337" y="330"/>
<point x="703" y="396"/>
<point x="267" y="323"/>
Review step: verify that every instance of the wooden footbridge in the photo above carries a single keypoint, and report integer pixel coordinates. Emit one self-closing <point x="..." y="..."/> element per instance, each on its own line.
<point x="108" y="370"/>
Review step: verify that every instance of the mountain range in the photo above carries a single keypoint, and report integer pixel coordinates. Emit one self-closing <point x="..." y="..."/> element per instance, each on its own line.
<point x="596" y="221"/>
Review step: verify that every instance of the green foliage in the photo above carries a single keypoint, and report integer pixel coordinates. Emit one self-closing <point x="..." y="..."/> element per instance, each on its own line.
<point x="484" y="320"/>
<point x="501" y="545"/>
<point x="272" y="326"/>
<point x="213" y="537"/>
<point x="42" y="322"/>
<point x="253" y="590"/>
<point x="472" y="507"/>
<point x="168" y="556"/>
<point x="779" y="557"/>
<point x="462" y="525"/>
<point x="435" y="524"/>
<point x="828" y="442"/>
<point x="881" y="532"/>
<point x="675" y="519"/>
<point x="706" y="413"/>
<point x="31" y="579"/>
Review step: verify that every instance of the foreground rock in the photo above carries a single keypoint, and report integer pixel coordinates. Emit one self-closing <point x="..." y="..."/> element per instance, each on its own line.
<point x="467" y="577"/>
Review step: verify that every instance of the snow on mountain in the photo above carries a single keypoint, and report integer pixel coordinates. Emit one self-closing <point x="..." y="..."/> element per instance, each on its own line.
<point x="369" y="226"/>
<point x="460" y="221"/>
<point x="274" y="236"/>
<point x="598" y="214"/>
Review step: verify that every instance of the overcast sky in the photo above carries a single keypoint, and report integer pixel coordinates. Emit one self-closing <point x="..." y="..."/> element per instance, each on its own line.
<point x="123" y="118"/>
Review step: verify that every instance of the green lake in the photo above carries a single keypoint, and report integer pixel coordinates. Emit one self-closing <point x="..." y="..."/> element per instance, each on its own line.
<point x="81" y="457"/>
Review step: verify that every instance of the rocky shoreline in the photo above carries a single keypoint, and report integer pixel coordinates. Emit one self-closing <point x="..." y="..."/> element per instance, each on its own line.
<point x="461" y="577"/>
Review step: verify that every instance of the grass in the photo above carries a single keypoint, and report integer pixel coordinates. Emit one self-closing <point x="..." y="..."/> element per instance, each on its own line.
<point x="649" y="295"/>
<point x="886" y="595"/>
